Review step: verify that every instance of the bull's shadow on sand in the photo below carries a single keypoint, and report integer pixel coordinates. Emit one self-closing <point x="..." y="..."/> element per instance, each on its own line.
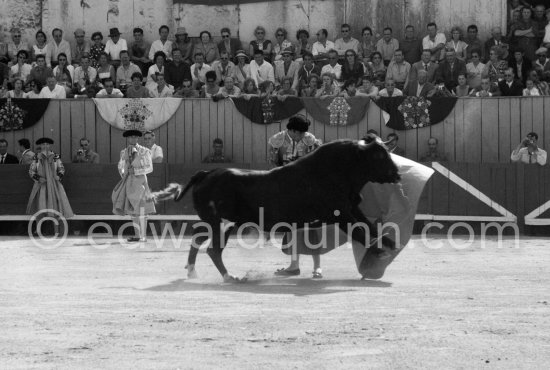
<point x="291" y="286"/>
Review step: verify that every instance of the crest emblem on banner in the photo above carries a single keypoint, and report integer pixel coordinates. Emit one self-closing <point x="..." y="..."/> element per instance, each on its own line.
<point x="11" y="116"/>
<point x="415" y="112"/>
<point x="339" y="109"/>
<point x="134" y="113"/>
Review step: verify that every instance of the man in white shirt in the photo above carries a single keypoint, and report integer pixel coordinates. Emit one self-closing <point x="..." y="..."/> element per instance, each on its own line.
<point x="156" y="151"/>
<point x="435" y="42"/>
<point x="57" y="46"/>
<point x="84" y="75"/>
<point x="320" y="48"/>
<point x="109" y="90"/>
<point x="52" y="90"/>
<point x="223" y="67"/>
<point x="387" y="45"/>
<point x="163" y="44"/>
<point x="114" y="46"/>
<point x="399" y="69"/>
<point x="161" y="89"/>
<point x="528" y="152"/>
<point x="125" y="71"/>
<point x="198" y="70"/>
<point x="390" y="90"/>
<point x="333" y="66"/>
<point x="346" y="42"/>
<point x="260" y="70"/>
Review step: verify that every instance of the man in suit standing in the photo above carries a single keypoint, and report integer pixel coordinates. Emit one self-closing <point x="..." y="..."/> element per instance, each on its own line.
<point x="496" y="40"/>
<point x="391" y="143"/>
<point x="27" y="154"/>
<point x="420" y="87"/>
<point x="229" y="44"/>
<point x="425" y="64"/>
<point x="509" y="86"/>
<point x="448" y="71"/>
<point x="5" y="157"/>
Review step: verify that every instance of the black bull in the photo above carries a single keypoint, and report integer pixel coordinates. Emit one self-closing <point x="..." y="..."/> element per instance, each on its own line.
<point x="322" y="187"/>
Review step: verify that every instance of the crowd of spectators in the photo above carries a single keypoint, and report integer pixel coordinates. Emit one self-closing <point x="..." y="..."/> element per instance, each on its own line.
<point x="459" y="64"/>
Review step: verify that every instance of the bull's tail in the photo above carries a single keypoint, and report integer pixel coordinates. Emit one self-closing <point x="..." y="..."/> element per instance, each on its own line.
<point x="177" y="191"/>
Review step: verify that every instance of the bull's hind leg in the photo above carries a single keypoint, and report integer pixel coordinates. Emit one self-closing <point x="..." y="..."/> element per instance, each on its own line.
<point x="200" y="235"/>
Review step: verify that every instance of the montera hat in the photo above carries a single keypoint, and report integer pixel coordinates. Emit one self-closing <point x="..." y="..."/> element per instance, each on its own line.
<point x="132" y="133"/>
<point x="298" y="123"/>
<point x="43" y="140"/>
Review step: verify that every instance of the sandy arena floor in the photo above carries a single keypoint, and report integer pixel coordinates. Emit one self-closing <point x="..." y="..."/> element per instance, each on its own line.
<point x="78" y="307"/>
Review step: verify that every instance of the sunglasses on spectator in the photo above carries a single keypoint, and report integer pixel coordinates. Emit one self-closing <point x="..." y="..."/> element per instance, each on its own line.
<point x="16" y="35"/>
<point x="225" y="36"/>
<point x="280" y="35"/>
<point x="344" y="31"/>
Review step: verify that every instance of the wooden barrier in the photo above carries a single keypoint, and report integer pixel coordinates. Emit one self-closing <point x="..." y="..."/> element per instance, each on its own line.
<point x="477" y="130"/>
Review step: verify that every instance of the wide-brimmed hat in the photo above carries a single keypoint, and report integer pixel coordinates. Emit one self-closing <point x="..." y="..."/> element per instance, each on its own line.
<point x="240" y="53"/>
<point x="542" y="50"/>
<point x="181" y="31"/>
<point x="114" y="32"/>
<point x="43" y="140"/>
<point x="288" y="50"/>
<point x="132" y="133"/>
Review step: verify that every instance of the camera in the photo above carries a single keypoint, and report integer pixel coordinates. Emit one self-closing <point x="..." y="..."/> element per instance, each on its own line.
<point x="80" y="152"/>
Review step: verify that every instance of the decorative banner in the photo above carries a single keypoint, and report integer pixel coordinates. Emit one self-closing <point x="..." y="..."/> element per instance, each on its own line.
<point x="268" y="110"/>
<point x="19" y="114"/>
<point x="403" y="113"/>
<point x="337" y="111"/>
<point x="137" y="114"/>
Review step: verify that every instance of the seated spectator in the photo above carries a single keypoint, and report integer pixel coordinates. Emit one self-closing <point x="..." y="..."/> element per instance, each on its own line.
<point x="57" y="46"/>
<point x="223" y="68"/>
<point x="249" y="89"/>
<point x="260" y="43"/>
<point x="80" y="47"/>
<point x="497" y="39"/>
<point x="63" y="68"/>
<point x="411" y="46"/>
<point x="149" y="138"/>
<point x="20" y="70"/>
<point x="425" y="64"/>
<point x="352" y="67"/>
<point x="125" y="71"/>
<point x="321" y="48"/>
<point x="35" y="88"/>
<point x="261" y="70"/>
<point x="17" y="91"/>
<point x="310" y="90"/>
<point x="96" y="49"/>
<point x="137" y="90"/>
<point x="530" y="89"/>
<point x="378" y="69"/>
<point x="85" y="154"/>
<point x="543" y="63"/>
<point x="139" y="51"/>
<point x="306" y="70"/>
<point x="163" y="44"/>
<point x="456" y="43"/>
<point x="346" y="42"/>
<point x="52" y="90"/>
<point x="158" y="67"/>
<point x="391" y="143"/>
<point x="367" y="45"/>
<point x="161" y="89"/>
<point x="242" y="70"/>
<point x="546" y="37"/>
<point x="447" y="72"/>
<point x="387" y="45"/>
<point x="286" y="88"/>
<point x="186" y="90"/>
<point x="16" y="45"/>
<point x="475" y="69"/>
<point x="184" y="44"/>
<point x="228" y="44"/>
<point x="287" y="68"/>
<point x="114" y="46"/>
<point x="349" y="89"/>
<point x="84" y="74"/>
<point x="433" y="155"/>
<point x="177" y="70"/>
<point x="229" y="89"/>
<point x="26" y="154"/>
<point x="485" y="89"/>
<point x="267" y="89"/>
<point x="390" y="90"/>
<point x="509" y="86"/>
<point x="207" y="48"/>
<point x="303" y="46"/>
<point x="420" y="87"/>
<point x="109" y="90"/>
<point x="4" y="74"/>
<point x="217" y="156"/>
<point x="528" y="152"/>
<point x="281" y="43"/>
<point x="520" y="65"/>
<point x="105" y="70"/>
<point x="367" y="88"/>
<point x="210" y="88"/>
<point x="40" y="47"/>
<point x="462" y="89"/>
<point x="540" y="85"/>
<point x="398" y="69"/>
<point x="199" y="71"/>
<point x="3" y="91"/>
<point x="435" y="42"/>
<point x="328" y="87"/>
<point x="473" y="42"/>
<point x="5" y="157"/>
<point x="333" y="66"/>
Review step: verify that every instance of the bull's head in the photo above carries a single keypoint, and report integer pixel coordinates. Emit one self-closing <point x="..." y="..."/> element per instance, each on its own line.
<point x="376" y="161"/>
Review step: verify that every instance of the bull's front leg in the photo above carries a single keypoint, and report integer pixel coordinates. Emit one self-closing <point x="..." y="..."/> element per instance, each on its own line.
<point x="216" y="249"/>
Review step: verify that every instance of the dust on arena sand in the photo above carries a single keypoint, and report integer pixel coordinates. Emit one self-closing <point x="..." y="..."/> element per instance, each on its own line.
<point x="83" y="307"/>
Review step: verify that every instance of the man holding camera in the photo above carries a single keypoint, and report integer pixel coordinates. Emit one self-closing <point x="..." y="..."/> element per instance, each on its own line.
<point x="528" y="152"/>
<point x="84" y="154"/>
